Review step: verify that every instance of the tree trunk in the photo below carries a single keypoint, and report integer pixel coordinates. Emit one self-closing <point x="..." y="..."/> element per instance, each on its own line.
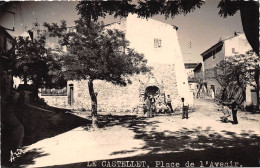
<point x="35" y="92"/>
<point x="257" y="85"/>
<point x="25" y="79"/>
<point x="93" y="97"/>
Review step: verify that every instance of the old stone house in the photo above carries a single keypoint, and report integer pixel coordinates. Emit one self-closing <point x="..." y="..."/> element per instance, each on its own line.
<point x="189" y="67"/>
<point x="159" y="43"/>
<point x="225" y="47"/>
<point x="193" y="84"/>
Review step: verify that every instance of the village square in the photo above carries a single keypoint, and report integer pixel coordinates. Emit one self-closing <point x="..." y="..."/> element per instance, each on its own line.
<point x="129" y="84"/>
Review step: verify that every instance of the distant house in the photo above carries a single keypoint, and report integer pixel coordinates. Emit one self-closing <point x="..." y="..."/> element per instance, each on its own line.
<point x="6" y="44"/>
<point x="161" y="48"/>
<point x="193" y="83"/>
<point x="225" y="47"/>
<point x="198" y="73"/>
<point x="189" y="67"/>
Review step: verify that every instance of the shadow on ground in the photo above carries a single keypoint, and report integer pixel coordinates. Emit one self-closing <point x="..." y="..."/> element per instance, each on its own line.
<point x="38" y="125"/>
<point x="196" y="145"/>
<point x="186" y="144"/>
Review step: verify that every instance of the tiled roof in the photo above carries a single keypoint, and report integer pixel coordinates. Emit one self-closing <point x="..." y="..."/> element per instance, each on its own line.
<point x="220" y="42"/>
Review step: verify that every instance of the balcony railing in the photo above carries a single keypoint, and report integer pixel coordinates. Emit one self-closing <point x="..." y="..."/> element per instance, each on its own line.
<point x="54" y="92"/>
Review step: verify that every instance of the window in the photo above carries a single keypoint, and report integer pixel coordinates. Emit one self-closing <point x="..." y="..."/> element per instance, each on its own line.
<point x="157" y="43"/>
<point x="233" y="50"/>
<point x="212" y="87"/>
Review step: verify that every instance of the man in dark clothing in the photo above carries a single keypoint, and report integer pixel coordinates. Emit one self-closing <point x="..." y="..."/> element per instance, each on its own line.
<point x="185" y="108"/>
<point x="169" y="103"/>
<point x="185" y="112"/>
<point x="234" y="110"/>
<point x="147" y="106"/>
<point x="153" y="108"/>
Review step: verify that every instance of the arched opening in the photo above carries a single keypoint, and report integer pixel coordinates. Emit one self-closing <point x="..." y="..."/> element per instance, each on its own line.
<point x="152" y="91"/>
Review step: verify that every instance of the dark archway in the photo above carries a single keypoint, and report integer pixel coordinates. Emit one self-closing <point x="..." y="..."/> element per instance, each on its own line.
<point x="152" y="90"/>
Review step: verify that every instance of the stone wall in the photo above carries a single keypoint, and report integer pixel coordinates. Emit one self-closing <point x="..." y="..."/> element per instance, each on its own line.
<point x="117" y="98"/>
<point x="122" y="99"/>
<point x="166" y="60"/>
<point x="56" y="101"/>
<point x="114" y="98"/>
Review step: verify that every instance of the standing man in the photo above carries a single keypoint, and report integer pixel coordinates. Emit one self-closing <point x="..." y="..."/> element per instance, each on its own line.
<point x="153" y="108"/>
<point x="185" y="108"/>
<point x="169" y="102"/>
<point x="147" y="106"/>
<point x="234" y="110"/>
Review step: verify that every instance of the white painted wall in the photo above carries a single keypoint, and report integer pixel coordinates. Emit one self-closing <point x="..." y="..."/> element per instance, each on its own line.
<point x="239" y="43"/>
<point x="251" y="97"/>
<point x="141" y="34"/>
<point x="241" y="46"/>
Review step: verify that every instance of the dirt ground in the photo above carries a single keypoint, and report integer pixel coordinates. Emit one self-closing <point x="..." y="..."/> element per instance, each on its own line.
<point x="165" y="140"/>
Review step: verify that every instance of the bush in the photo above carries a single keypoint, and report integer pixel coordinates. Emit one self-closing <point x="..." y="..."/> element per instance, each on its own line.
<point x="251" y="108"/>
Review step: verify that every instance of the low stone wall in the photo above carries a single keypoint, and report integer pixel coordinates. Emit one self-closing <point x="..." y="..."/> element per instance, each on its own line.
<point x="56" y="101"/>
<point x="126" y="99"/>
<point x="115" y="98"/>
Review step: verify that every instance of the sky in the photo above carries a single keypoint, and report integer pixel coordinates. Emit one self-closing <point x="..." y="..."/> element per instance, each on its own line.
<point x="202" y="28"/>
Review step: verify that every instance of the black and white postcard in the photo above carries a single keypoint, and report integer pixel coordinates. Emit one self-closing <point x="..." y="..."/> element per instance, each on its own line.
<point x="135" y="83"/>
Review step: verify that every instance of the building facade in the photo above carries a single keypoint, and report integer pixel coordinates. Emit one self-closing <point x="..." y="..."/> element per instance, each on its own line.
<point x="193" y="83"/>
<point x="189" y="67"/>
<point x="159" y="44"/>
<point x="226" y="47"/>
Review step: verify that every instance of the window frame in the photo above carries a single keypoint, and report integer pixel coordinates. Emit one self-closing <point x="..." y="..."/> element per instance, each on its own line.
<point x="157" y="43"/>
<point x="233" y="50"/>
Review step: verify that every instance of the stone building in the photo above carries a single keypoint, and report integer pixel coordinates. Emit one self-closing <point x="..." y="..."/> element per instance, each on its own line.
<point x="159" y="43"/>
<point x="225" y="47"/>
<point x="193" y="83"/>
<point x="189" y="69"/>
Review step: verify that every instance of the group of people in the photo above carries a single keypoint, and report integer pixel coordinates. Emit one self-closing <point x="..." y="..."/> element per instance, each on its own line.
<point x="151" y="106"/>
<point x="226" y="108"/>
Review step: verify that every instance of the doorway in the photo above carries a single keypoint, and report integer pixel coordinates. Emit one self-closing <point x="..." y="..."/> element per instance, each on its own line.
<point x="71" y="95"/>
<point x="212" y="89"/>
<point x="152" y="91"/>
